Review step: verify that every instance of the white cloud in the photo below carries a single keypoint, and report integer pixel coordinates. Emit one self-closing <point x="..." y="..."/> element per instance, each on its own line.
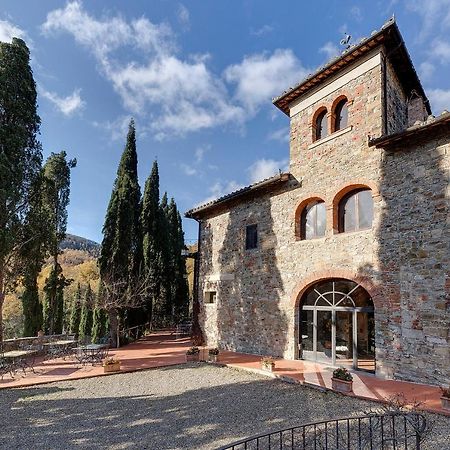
<point x="262" y="76"/>
<point x="219" y="189"/>
<point x="188" y="170"/>
<point x="183" y="17"/>
<point x="9" y="31"/>
<point x="435" y="16"/>
<point x="330" y="50"/>
<point x="67" y="105"/>
<point x="266" y="168"/>
<point x="356" y="13"/>
<point x="200" y="153"/>
<point x="265" y="29"/>
<point x="440" y="49"/>
<point x="426" y="70"/>
<point x="440" y="100"/>
<point x="188" y="96"/>
<point x="280" y="135"/>
<point x="117" y="128"/>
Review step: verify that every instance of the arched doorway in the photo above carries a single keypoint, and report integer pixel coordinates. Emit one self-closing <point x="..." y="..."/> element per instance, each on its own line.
<point x="337" y="325"/>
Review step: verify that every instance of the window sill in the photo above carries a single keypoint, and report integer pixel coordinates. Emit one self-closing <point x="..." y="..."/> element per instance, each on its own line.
<point x="347" y="233"/>
<point x="331" y="137"/>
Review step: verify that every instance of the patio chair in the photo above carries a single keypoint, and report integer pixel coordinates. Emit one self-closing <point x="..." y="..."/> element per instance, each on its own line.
<point x="6" y="366"/>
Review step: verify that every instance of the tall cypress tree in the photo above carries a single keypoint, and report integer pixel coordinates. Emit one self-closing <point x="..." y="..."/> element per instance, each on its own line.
<point x="56" y="199"/>
<point x="20" y="156"/>
<point x="121" y="246"/>
<point x="153" y="243"/>
<point x="86" y="320"/>
<point x="75" y="313"/>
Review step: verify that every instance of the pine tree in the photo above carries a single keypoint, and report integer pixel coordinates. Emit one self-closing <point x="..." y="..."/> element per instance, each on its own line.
<point x="20" y="158"/>
<point x="75" y="314"/>
<point x="86" y="320"/>
<point x="100" y="324"/>
<point x="56" y="199"/>
<point x="120" y="256"/>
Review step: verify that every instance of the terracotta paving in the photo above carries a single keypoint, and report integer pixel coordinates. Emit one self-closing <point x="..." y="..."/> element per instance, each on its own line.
<point x="157" y="350"/>
<point x="164" y="349"/>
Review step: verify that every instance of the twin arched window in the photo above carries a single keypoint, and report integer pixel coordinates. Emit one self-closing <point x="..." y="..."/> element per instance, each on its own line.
<point x="355" y="212"/>
<point x="339" y="121"/>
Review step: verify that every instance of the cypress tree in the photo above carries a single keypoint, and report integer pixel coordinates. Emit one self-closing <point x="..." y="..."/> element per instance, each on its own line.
<point x="100" y="324"/>
<point x="121" y="246"/>
<point x="20" y="158"/>
<point x="75" y="313"/>
<point x="86" y="320"/>
<point x="56" y="199"/>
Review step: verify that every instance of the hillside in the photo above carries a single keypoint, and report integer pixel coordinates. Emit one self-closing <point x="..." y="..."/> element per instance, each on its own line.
<point x="73" y="242"/>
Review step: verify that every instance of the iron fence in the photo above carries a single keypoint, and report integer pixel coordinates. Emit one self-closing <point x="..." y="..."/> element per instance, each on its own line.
<point x="390" y="431"/>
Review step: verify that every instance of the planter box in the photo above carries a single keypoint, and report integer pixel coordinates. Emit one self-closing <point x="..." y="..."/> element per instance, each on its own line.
<point x="193" y="358"/>
<point x="445" y="402"/>
<point x="213" y="358"/>
<point x="342" y="385"/>
<point x="268" y="367"/>
<point x="111" y="368"/>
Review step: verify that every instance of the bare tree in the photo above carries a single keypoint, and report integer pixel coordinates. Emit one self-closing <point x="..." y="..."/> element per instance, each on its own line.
<point x="118" y="296"/>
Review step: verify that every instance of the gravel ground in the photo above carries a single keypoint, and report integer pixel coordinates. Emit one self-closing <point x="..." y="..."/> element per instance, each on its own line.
<point x="193" y="406"/>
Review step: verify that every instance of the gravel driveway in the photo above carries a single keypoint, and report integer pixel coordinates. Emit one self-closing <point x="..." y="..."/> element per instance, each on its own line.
<point x="194" y="406"/>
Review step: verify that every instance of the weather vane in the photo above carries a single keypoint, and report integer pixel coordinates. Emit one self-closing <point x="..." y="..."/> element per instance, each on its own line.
<point x="346" y="41"/>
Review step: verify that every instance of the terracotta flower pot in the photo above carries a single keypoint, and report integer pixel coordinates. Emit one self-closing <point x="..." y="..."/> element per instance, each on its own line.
<point x="111" y="367"/>
<point x="213" y="358"/>
<point x="268" y="367"/>
<point x="342" y="385"/>
<point x="193" y="358"/>
<point x="445" y="402"/>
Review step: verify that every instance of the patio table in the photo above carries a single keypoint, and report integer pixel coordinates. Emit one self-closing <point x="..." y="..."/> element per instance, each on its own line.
<point x="13" y="354"/>
<point x="93" y="353"/>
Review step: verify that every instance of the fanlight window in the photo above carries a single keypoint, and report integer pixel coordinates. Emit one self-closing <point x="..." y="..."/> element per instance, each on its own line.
<point x="356" y="211"/>
<point x="313" y="220"/>
<point x="320" y="124"/>
<point x="341" y="115"/>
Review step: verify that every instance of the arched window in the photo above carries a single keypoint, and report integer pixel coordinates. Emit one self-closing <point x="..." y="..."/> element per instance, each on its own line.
<point x="340" y="115"/>
<point x="313" y="220"/>
<point x="356" y="211"/>
<point x="320" y="125"/>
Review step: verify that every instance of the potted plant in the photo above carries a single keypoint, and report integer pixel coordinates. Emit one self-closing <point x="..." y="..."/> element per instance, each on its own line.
<point x="342" y="380"/>
<point x="268" y="364"/>
<point x="445" y="398"/>
<point x="111" y="365"/>
<point x="193" y="354"/>
<point x="213" y="354"/>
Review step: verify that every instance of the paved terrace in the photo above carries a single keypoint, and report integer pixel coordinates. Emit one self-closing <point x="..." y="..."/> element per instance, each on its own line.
<point x="164" y="349"/>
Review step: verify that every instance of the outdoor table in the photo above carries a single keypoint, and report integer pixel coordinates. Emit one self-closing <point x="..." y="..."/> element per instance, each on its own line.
<point x="61" y="343"/>
<point x="13" y="354"/>
<point x="91" y="353"/>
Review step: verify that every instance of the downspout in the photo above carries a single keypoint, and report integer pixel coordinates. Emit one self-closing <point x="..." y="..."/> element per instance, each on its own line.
<point x="384" y="95"/>
<point x="197" y="334"/>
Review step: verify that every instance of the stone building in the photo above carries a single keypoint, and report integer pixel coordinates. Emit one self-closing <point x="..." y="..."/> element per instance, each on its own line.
<point x="344" y="259"/>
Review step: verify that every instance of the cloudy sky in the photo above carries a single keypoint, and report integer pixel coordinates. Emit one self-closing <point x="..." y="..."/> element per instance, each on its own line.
<point x="198" y="77"/>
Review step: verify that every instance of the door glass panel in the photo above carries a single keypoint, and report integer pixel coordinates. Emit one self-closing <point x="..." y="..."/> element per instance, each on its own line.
<point x="307" y="334"/>
<point x="366" y="341"/>
<point x="324" y="344"/>
<point x="344" y="338"/>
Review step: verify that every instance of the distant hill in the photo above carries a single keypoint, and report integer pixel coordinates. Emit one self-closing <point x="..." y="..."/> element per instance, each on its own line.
<point x="72" y="242"/>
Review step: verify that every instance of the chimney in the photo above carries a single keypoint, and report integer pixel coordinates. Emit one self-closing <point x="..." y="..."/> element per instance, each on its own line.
<point x="416" y="109"/>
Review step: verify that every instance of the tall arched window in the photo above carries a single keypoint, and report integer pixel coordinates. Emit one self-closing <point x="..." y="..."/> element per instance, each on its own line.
<point x="313" y="220"/>
<point x="356" y="211"/>
<point x="320" y="124"/>
<point x="340" y="115"/>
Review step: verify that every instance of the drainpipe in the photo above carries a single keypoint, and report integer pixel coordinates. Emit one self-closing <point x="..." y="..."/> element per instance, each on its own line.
<point x="197" y="333"/>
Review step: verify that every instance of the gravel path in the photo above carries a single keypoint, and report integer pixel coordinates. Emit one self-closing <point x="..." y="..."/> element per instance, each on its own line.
<point x="194" y="406"/>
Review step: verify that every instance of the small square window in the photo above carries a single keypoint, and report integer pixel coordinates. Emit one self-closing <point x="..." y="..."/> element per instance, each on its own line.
<point x="251" y="237"/>
<point x="210" y="297"/>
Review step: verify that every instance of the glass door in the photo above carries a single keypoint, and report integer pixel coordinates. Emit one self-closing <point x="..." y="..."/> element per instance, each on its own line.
<point x="344" y="338"/>
<point x="324" y="339"/>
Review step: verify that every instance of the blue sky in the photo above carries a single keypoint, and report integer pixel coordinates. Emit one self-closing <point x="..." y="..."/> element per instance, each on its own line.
<point x="198" y="77"/>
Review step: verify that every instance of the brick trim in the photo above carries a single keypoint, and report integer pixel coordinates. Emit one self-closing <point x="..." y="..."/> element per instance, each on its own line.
<point x="336" y="101"/>
<point x="322" y="108"/>
<point x="301" y="205"/>
<point x="348" y="187"/>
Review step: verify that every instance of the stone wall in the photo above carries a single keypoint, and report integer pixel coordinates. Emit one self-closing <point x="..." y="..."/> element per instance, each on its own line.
<point x="396" y="102"/>
<point x="402" y="261"/>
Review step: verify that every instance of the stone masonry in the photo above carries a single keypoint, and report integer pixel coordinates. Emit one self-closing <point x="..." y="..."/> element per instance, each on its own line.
<point x="403" y="261"/>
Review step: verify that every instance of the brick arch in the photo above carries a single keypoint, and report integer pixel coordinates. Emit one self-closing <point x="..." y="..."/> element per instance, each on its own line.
<point x="316" y="114"/>
<point x="373" y="290"/>
<point x="336" y="101"/>
<point x="299" y="209"/>
<point x="345" y="189"/>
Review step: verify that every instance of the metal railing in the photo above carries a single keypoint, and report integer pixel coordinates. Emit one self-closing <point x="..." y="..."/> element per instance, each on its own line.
<point x="390" y="431"/>
<point x="134" y="333"/>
